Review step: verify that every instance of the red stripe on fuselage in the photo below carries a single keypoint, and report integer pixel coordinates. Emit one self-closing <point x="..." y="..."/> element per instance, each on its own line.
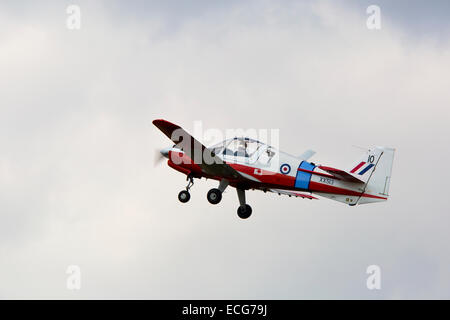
<point x="319" y="187"/>
<point x="267" y="177"/>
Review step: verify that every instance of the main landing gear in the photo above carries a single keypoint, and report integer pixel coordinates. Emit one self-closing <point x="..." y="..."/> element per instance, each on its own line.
<point x="184" y="195"/>
<point x="244" y="211"/>
<point x="214" y="195"/>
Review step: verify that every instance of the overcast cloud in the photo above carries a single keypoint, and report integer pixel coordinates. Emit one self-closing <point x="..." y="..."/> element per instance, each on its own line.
<point x="77" y="181"/>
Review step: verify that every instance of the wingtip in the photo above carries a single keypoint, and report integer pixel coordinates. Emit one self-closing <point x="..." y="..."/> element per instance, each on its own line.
<point x="156" y="121"/>
<point x="163" y="123"/>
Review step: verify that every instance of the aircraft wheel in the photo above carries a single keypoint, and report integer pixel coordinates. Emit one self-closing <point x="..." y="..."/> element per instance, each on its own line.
<point x="184" y="196"/>
<point x="214" y="196"/>
<point x="244" y="212"/>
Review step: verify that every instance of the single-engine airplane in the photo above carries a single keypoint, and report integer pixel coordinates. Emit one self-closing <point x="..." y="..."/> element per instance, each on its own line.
<point x="245" y="163"/>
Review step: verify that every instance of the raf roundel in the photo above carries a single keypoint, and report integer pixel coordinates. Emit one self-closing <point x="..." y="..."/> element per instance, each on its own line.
<point x="285" y="168"/>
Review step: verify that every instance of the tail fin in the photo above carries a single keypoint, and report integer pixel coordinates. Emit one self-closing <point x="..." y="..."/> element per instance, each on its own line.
<point x="363" y="168"/>
<point x="376" y="171"/>
<point x="373" y="175"/>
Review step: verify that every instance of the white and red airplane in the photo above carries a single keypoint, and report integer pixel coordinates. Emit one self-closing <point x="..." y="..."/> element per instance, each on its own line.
<point x="245" y="164"/>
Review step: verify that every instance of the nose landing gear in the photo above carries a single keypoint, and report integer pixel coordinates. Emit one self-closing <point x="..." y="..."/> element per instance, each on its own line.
<point x="184" y="195"/>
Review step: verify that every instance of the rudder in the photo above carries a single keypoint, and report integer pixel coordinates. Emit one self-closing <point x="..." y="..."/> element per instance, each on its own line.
<point x="377" y="186"/>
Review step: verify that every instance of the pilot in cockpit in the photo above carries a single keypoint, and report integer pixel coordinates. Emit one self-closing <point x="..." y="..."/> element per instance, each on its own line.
<point x="242" y="149"/>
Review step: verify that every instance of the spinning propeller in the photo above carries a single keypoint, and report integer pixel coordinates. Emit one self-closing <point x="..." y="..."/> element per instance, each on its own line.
<point x="160" y="154"/>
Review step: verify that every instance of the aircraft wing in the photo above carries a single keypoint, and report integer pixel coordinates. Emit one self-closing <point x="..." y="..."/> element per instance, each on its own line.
<point x="292" y="194"/>
<point x="201" y="155"/>
<point x="341" y="174"/>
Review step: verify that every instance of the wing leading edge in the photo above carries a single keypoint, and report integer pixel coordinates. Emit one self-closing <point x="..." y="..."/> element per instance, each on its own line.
<point x="201" y="155"/>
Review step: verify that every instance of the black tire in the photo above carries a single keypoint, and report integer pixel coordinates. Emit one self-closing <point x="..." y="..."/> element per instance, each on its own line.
<point x="244" y="212"/>
<point x="184" y="196"/>
<point x="214" y="196"/>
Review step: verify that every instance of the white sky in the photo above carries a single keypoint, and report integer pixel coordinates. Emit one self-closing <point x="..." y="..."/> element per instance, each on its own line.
<point x="78" y="185"/>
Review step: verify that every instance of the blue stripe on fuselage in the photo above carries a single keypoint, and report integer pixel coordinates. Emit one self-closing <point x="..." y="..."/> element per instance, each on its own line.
<point x="303" y="178"/>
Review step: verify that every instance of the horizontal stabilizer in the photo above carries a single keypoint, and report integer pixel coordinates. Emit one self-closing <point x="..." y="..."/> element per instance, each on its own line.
<point x="341" y="174"/>
<point x="307" y="154"/>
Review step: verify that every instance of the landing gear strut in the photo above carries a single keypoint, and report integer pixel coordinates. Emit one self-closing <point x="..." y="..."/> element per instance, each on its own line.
<point x="244" y="211"/>
<point x="184" y="195"/>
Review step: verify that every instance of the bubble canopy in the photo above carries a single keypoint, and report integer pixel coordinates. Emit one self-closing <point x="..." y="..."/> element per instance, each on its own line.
<point x="241" y="147"/>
